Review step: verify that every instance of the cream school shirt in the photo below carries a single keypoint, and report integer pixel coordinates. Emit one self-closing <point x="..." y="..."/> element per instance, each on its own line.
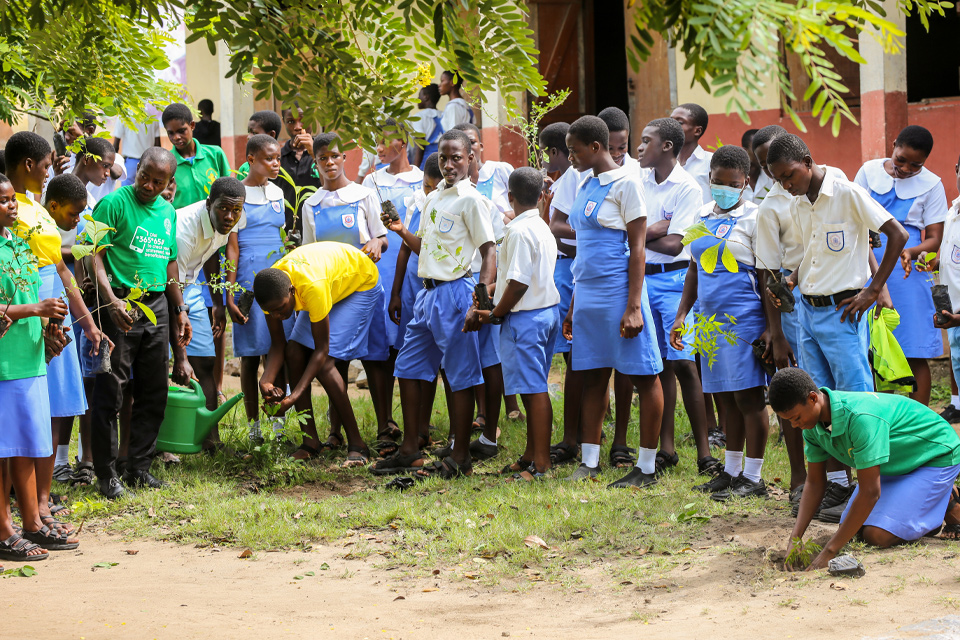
<point x="528" y="255"/>
<point x="385" y="179"/>
<point x="677" y="199"/>
<point x="762" y="188"/>
<point x="564" y="195"/>
<point x="500" y="172"/>
<point x="742" y="238"/>
<point x="698" y="166"/>
<point x="197" y="240"/>
<point x="456" y="112"/>
<point x="368" y="213"/>
<point x="950" y="254"/>
<point x="454" y="224"/>
<point x="834" y="232"/>
<point x="778" y="239"/>
<point x="929" y="204"/>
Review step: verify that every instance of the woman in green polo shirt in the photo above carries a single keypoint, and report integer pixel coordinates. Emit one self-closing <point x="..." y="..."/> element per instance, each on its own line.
<point x="906" y="456"/>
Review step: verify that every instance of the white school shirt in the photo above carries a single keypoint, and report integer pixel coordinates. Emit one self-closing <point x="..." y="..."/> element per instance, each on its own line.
<point x="423" y="122"/>
<point x="415" y="201"/>
<point x="762" y="188"/>
<point x="135" y="142"/>
<point x="564" y="195"/>
<point x="677" y="199"/>
<point x="454" y="224"/>
<point x="930" y="200"/>
<point x="197" y="240"/>
<point x="368" y="161"/>
<point x="742" y="239"/>
<point x="624" y="202"/>
<point x="778" y="240"/>
<point x="385" y="179"/>
<point x="528" y="255"/>
<point x="698" y="166"/>
<point x="834" y="233"/>
<point x="950" y="254"/>
<point x="368" y="213"/>
<point x="456" y="112"/>
<point x="500" y="172"/>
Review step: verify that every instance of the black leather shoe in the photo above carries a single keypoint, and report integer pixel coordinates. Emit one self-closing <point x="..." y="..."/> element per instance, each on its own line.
<point x="139" y="479"/>
<point x="110" y="487"/>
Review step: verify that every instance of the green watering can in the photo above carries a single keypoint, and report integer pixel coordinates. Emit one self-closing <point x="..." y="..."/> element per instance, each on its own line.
<point x="186" y="422"/>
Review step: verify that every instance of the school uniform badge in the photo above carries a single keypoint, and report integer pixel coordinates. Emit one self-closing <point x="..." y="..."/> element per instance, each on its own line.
<point x="588" y="210"/>
<point x="724" y="229"/>
<point x="955" y="254"/>
<point x="277" y="206"/>
<point x="835" y="240"/>
<point x="668" y="215"/>
<point x="348" y="220"/>
<point x="445" y="224"/>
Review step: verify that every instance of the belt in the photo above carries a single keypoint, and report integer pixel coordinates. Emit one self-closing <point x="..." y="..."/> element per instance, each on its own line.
<point x="431" y="283"/>
<point x="830" y="301"/>
<point x="146" y="296"/>
<point x="650" y="268"/>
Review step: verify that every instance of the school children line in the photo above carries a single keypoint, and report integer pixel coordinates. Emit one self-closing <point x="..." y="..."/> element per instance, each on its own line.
<point x="437" y="264"/>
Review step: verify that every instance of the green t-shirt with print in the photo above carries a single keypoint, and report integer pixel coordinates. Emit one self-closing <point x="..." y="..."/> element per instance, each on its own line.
<point x="21" y="349"/>
<point x="144" y="240"/>
<point x="196" y="174"/>
<point x="893" y="432"/>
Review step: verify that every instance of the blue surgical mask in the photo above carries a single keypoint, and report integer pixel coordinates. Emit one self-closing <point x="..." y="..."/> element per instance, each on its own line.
<point x="725" y="197"/>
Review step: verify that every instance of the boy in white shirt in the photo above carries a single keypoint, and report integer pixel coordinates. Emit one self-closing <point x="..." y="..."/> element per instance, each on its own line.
<point x="526" y="301"/>
<point x="949" y="265"/>
<point x="693" y="158"/>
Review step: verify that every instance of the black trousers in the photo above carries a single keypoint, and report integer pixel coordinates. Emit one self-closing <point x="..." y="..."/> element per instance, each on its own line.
<point x="143" y="355"/>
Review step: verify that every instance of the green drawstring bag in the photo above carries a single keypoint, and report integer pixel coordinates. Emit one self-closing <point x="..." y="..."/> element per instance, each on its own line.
<point x="891" y="371"/>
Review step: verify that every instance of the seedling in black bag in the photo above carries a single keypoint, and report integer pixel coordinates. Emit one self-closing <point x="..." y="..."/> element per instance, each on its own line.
<point x="484" y="303"/>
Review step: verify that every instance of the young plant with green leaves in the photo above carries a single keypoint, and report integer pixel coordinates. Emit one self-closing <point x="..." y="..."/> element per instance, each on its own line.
<point x="925" y="264"/>
<point x="801" y="554"/>
<point x="22" y="271"/>
<point x="529" y="127"/>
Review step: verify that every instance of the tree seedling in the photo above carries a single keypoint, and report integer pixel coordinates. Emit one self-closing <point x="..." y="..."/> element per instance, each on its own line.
<point x="801" y="554"/>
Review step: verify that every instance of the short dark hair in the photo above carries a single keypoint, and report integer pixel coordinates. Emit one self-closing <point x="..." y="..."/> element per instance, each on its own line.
<point x="746" y="140"/>
<point x="66" y="188"/>
<point x="259" y="142"/>
<point x="455" y="134"/>
<point x="915" y="137"/>
<point x="3" y="163"/>
<point x="554" y="136"/>
<point x="270" y="285"/>
<point x="469" y="126"/>
<point x="766" y="134"/>
<point x="87" y="119"/>
<point x="227" y="186"/>
<point x="590" y="129"/>
<point x="432" y="166"/>
<point x="669" y="129"/>
<point x="160" y="156"/>
<point x="23" y="145"/>
<point x="268" y="121"/>
<point x="177" y="111"/>
<point x="730" y="156"/>
<point x="698" y="113"/>
<point x="789" y="388"/>
<point x="3" y="177"/>
<point x="787" y="148"/>
<point x="615" y="119"/>
<point x="99" y="147"/>
<point x="397" y="131"/>
<point x="456" y="77"/>
<point x="433" y="92"/>
<point x="205" y="106"/>
<point x="526" y="185"/>
<point x="322" y="140"/>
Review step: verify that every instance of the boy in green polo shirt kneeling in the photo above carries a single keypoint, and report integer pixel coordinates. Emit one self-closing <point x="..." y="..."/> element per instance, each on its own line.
<point x="906" y="456"/>
<point x="198" y="165"/>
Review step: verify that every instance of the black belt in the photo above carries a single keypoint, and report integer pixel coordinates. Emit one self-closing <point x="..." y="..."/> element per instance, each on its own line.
<point x="146" y="296"/>
<point x="830" y="301"/>
<point x="652" y="268"/>
<point x="430" y="283"/>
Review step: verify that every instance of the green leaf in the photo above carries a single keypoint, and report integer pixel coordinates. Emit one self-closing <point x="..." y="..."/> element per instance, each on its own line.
<point x="695" y="232"/>
<point x="729" y="262"/>
<point x="147" y="311"/>
<point x="708" y="259"/>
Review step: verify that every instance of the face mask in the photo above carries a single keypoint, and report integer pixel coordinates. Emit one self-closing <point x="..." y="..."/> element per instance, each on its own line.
<point x="725" y="197"/>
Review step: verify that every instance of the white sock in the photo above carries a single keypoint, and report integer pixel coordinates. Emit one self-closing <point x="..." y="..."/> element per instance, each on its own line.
<point x="647" y="460"/>
<point x="955" y="401"/>
<point x="63" y="455"/>
<point x="752" y="467"/>
<point x="590" y="454"/>
<point x="451" y="443"/>
<point x="483" y="440"/>
<point x="255" y="428"/>
<point x="733" y="462"/>
<point x="79" y="449"/>
<point x="840" y="477"/>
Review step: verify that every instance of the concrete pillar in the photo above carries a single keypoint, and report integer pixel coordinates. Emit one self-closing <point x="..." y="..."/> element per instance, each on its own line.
<point x="883" y="91"/>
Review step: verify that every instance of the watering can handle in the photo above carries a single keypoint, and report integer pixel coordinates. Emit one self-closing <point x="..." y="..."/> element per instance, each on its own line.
<point x="197" y="389"/>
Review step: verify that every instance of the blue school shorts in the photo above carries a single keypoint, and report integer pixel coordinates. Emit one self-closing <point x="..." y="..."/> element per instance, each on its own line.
<point x="664" y="291"/>
<point x="201" y="345"/>
<point x="356" y="327"/>
<point x="790" y="324"/>
<point x="953" y="334"/>
<point x="489" y="342"/>
<point x="526" y="347"/>
<point x="834" y="353"/>
<point x="436" y="330"/>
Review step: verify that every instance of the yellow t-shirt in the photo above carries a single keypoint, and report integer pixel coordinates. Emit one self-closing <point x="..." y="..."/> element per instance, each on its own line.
<point x="44" y="236"/>
<point x="324" y="273"/>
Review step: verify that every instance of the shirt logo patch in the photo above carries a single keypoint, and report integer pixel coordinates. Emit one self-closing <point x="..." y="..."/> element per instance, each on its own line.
<point x="955" y="254"/>
<point x="348" y="220"/>
<point x="167" y="225"/>
<point x="277" y="206"/>
<point x="149" y="244"/>
<point x="724" y="229"/>
<point x="446" y="224"/>
<point x="668" y="215"/>
<point x="835" y="240"/>
<point x="588" y="210"/>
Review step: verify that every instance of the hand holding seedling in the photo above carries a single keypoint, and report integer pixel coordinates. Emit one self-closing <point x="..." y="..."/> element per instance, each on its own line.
<point x="54" y="339"/>
<point x="117" y="310"/>
<point x="271" y="394"/>
<point x="234" y="311"/>
<point x="60" y="164"/>
<point x="950" y="320"/>
<point x="676" y="335"/>
<point x="790" y="282"/>
<point x="53" y="308"/>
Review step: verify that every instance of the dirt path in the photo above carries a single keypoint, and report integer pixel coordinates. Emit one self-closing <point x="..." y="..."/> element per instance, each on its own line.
<point x="180" y="592"/>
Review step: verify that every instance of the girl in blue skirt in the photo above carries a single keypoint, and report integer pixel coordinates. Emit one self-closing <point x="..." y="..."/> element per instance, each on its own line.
<point x="609" y="319"/>
<point x="915" y="197"/>
<point x="736" y="373"/>
<point x="254" y="248"/>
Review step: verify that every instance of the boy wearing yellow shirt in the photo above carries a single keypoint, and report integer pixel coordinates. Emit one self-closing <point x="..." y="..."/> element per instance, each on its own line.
<point x="336" y="288"/>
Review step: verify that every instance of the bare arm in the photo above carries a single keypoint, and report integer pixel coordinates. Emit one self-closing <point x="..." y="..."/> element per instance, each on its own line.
<point x="632" y="322"/>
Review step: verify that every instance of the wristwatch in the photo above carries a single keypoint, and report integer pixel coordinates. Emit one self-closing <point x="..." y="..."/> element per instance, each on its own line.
<point x="495" y="319"/>
<point x="181" y="308"/>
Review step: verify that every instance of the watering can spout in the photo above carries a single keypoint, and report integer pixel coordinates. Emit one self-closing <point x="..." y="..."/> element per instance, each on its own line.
<point x="207" y="420"/>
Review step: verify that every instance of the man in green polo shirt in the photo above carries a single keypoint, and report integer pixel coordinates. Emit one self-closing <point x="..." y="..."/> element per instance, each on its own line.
<point x="198" y="165"/>
<point x="141" y="254"/>
<point x="906" y="456"/>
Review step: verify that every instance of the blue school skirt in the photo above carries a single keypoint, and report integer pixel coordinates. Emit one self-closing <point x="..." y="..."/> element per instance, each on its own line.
<point x="25" y="431"/>
<point x="526" y="347"/>
<point x="202" y="343"/>
<point x="911" y="505"/>
<point x="563" y="279"/>
<point x="253" y="338"/>
<point x="64" y="380"/>
<point x="357" y="330"/>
